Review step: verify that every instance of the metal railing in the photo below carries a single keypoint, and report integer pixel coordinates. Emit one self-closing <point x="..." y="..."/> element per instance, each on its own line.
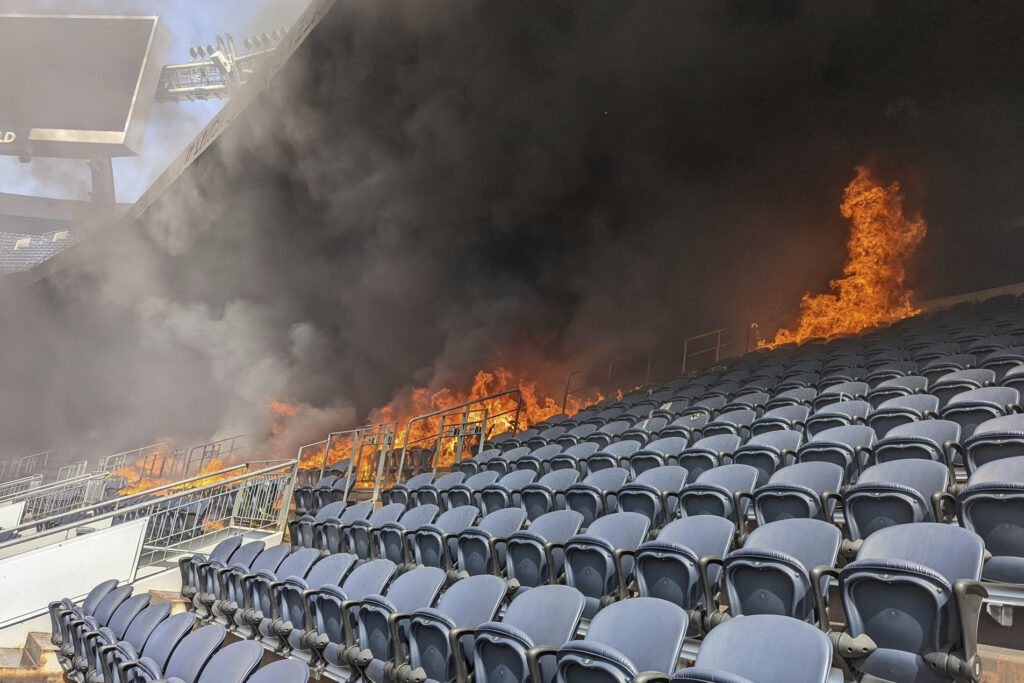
<point x="463" y="427"/>
<point x="72" y="470"/>
<point x="37" y="462"/>
<point x="221" y="449"/>
<point x="716" y="346"/>
<point x="603" y="376"/>
<point x="150" y="461"/>
<point x="185" y="515"/>
<point x="63" y="497"/>
<point x="11" y="490"/>
<point x="379" y="439"/>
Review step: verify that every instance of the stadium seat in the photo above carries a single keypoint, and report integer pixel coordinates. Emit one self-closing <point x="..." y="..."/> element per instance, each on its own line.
<point x="800" y="394"/>
<point x="787" y="417"/>
<point x="799" y="491"/>
<point x="402" y="493"/>
<point x="612" y="455"/>
<point x="127" y="627"/>
<point x="599" y="561"/>
<point x="72" y="622"/>
<point x="624" y="640"/>
<point x="938" y="368"/>
<point x="468" y="491"/>
<point x="708" y="453"/>
<point x="86" y="633"/>
<point x="232" y="664"/>
<point x="896" y="492"/>
<point x="1000" y="437"/>
<point x="655" y="454"/>
<point x="539" y="460"/>
<point x="257" y="590"/>
<point x="434" y="545"/>
<point x="390" y="540"/>
<point x="971" y="408"/>
<point x="480" y="549"/>
<point x="573" y="457"/>
<point x="992" y="506"/>
<point x="937" y="440"/>
<point x="185" y="662"/>
<point x="655" y="494"/>
<point x="670" y="567"/>
<point x="506" y="492"/>
<point x="735" y="422"/>
<point x="356" y="535"/>
<point x="189" y="565"/>
<point x="303" y="531"/>
<point x="837" y="415"/>
<point x="760" y="649"/>
<point x="433" y="493"/>
<point x="849" y="447"/>
<point x="162" y="641"/>
<point x="592" y="496"/>
<point x="840" y="391"/>
<point x="769" y="451"/>
<point x="479" y="462"/>
<point x="521" y="648"/>
<point x="907" y="385"/>
<point x="901" y="410"/>
<point x="720" y="491"/>
<point x="547" y="493"/>
<point x="230" y="595"/>
<point x="535" y="556"/>
<point x="949" y="385"/>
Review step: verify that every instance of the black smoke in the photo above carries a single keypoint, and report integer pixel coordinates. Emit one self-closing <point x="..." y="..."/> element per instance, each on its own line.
<point x="429" y="188"/>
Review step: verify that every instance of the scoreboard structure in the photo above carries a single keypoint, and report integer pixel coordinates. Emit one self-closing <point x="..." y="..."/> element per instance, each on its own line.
<point x="77" y="86"/>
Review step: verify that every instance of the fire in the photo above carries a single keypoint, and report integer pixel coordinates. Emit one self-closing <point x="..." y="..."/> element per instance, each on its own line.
<point x="872" y="290"/>
<point x="280" y="413"/>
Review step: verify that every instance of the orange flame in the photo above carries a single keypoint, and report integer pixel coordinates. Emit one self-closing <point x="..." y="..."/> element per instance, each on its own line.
<point x="871" y="291"/>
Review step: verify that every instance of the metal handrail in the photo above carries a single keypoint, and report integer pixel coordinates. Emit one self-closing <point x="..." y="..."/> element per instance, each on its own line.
<point x="91" y="520"/>
<point x="717" y="348"/>
<point x="384" y="432"/>
<point x="230" y="440"/>
<point x="456" y="408"/>
<point x="116" y="461"/>
<point x="608" y="377"/>
<point x="23" y="486"/>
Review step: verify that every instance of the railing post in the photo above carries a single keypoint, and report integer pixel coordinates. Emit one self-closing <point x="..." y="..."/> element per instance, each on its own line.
<point x="384" y="447"/>
<point x="357" y="446"/>
<point x="327" y="454"/>
<point x="282" y="516"/>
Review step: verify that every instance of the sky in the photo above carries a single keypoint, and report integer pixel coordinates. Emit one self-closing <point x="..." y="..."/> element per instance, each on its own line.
<point x="171" y="126"/>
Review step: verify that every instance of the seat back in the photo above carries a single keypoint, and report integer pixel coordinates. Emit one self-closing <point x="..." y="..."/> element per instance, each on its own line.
<point x="193" y="652"/>
<point x="590" y="563"/>
<point x="769" y="450"/>
<point x="587" y="497"/>
<point x="547" y="493"/>
<point x="233" y="664"/>
<point x="794" y="492"/>
<point x="655" y="493"/>
<point x="896" y="492"/>
<point x="475" y="553"/>
<point x="714" y="492"/>
<point x="666" y="568"/>
<point x="999" y="437"/>
<point x="529" y="561"/>
<point x="992" y="506"/>
<point x="706" y="454"/>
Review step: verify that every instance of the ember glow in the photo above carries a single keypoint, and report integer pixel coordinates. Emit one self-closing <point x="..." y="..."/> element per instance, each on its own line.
<point x="872" y="291"/>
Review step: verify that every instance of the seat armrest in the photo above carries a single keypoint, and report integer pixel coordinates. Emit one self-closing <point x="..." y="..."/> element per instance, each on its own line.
<point x="817" y="573"/>
<point x="454" y="638"/>
<point x="650" y="677"/>
<point x="533" y="657"/>
<point x="969" y="597"/>
<point x="943" y="506"/>
<point x="617" y="556"/>
<point x="549" y="555"/>
<point x="826" y="498"/>
<point x="350" y="636"/>
<point x="702" y="569"/>
<point x="396" y="637"/>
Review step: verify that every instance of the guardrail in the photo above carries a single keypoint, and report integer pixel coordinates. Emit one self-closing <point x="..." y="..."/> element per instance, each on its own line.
<point x="11" y="490"/>
<point x="61" y="497"/>
<point x="203" y="454"/>
<point x="715" y="348"/>
<point x="461" y="426"/>
<point x="182" y="516"/>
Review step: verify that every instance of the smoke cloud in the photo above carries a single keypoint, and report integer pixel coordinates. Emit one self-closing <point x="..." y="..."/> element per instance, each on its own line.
<point x="428" y="189"/>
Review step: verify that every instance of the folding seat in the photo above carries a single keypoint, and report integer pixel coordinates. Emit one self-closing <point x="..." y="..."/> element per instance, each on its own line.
<point x="761" y="648"/>
<point x="547" y="493"/>
<point x="125" y="626"/>
<point x="229" y="594"/>
<point x="573" y="456"/>
<point x="338" y="491"/>
<point x="940" y="367"/>
<point x="304" y="495"/>
<point x="912" y="601"/>
<point x="937" y="440"/>
<point x="686" y="427"/>
<point x="480" y="549"/>
<point x="257" y="590"/>
<point x="357" y="537"/>
<point x="930" y="351"/>
<point x="433" y="493"/>
<point x="796" y="492"/>
<point x="390" y="539"/>
<point x="608" y="433"/>
<point x="791" y="417"/>
<point x="535" y="555"/>
<point x="971" y="408"/>
<point x="771" y="573"/>
<point x="670" y="410"/>
<point x="189" y="565"/>
<point x="70" y="620"/>
<point x="898" y="386"/>
<point x="751" y="400"/>
<point x="576" y="435"/>
<point x="303" y="531"/>
<point x="796" y="396"/>
<point x="232" y="664"/>
<point x="504" y="493"/>
<point x="185" y="662"/>
<point x="599" y="562"/>
<point x="888" y="371"/>
<point x="478" y="463"/>
<point x="992" y="506"/>
<point x="468" y="491"/>
<point x="842" y="362"/>
<point x="539" y="460"/>
<point x="1003" y="360"/>
<point x="612" y="455"/>
<point x="769" y="451"/>
<point x="842" y="376"/>
<point x="440" y="637"/>
<point x="510" y="461"/>
<point x="402" y="493"/>
<point x="837" y="415"/>
<point x="719" y="492"/>
<point x="521" y="438"/>
<point x="669" y="567"/>
<point x="606" y="416"/>
<point x="503" y="441"/>
<point x="85" y="632"/>
<point x="849" y="447"/>
<point x="1000" y="437"/>
<point x="283" y="671"/>
<point x="988" y="345"/>
<point x="521" y="647"/>
<point x="624" y="640"/>
<point x="367" y="645"/>
<point x="798" y="381"/>
<point x="708" y="405"/>
<point x="718" y="394"/>
<point x="434" y="545"/>
<point x="709" y="452"/>
<point x="157" y="648"/>
<point x="733" y="422"/>
<point x="655" y="494"/>
<point x="593" y="497"/>
<point x="302" y="608"/>
<point x="546" y="436"/>
<point x="949" y="385"/>
<point x="841" y="391"/>
<point x="1014" y="378"/>
<point x="890" y="493"/>
<point x="901" y="410"/>
<point x="656" y="454"/>
<point x="643" y="411"/>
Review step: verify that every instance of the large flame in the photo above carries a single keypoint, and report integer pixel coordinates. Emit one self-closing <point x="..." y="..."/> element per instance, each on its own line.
<point x="872" y="290"/>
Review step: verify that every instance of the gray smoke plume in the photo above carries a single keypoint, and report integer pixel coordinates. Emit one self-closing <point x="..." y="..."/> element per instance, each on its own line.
<point x="429" y="189"/>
